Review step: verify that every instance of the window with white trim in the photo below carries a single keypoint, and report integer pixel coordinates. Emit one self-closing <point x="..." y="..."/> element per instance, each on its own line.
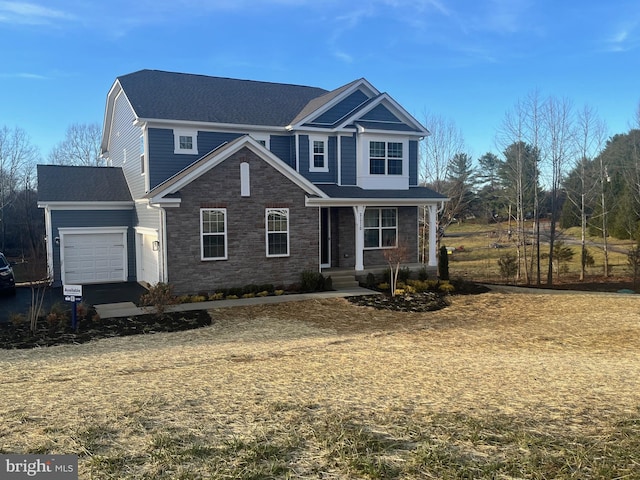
<point x="185" y="141"/>
<point x="380" y="228"/>
<point x="385" y="158"/>
<point x="213" y="233"/>
<point x="142" y="154"/>
<point x="318" y="154"/>
<point x="277" y="220"/>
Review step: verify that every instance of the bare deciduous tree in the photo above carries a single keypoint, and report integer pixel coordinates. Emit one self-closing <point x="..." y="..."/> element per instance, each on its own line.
<point x="557" y="144"/>
<point x="81" y="146"/>
<point x="16" y="154"/>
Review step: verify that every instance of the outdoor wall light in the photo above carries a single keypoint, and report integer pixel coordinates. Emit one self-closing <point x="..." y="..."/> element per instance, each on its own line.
<point x="156" y="245"/>
<point x="57" y="240"/>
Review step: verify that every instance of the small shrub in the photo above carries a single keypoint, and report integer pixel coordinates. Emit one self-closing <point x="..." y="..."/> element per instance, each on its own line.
<point x="384" y="286"/>
<point x="17" y="319"/>
<point x="409" y="289"/>
<point x="278" y="292"/>
<point x="251" y="288"/>
<point x="311" y="281"/>
<point x="266" y="287"/>
<point x="236" y="292"/>
<point x="248" y="295"/>
<point x="423" y="274"/>
<point x="443" y="263"/>
<point x="399" y="291"/>
<point x="371" y="280"/>
<point x="404" y="274"/>
<point x="263" y="293"/>
<point x="183" y="299"/>
<point x="96" y="318"/>
<point x="446" y="287"/>
<point x="508" y="265"/>
<point x="216" y="296"/>
<point x="232" y="297"/>
<point x="158" y="298"/>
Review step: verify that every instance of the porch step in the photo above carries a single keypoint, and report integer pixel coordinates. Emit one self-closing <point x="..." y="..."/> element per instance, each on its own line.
<point x="340" y="280"/>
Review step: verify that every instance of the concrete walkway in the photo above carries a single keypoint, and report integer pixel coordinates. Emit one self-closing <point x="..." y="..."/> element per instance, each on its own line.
<point x="126" y="309"/>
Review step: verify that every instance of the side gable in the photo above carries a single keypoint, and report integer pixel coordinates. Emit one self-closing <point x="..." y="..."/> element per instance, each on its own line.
<point x="167" y="192"/>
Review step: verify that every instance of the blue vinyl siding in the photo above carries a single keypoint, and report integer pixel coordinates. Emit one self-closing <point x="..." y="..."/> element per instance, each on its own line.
<point x="93" y="218"/>
<point x="303" y="154"/>
<point x="339" y="111"/>
<point x="348" y="148"/>
<point x="381" y="113"/>
<point x="413" y="163"/>
<point x="163" y="163"/>
<point x="282" y="147"/>
<point x="305" y="158"/>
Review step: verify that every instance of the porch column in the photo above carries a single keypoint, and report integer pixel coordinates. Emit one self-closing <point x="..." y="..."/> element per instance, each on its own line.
<point x="433" y="230"/>
<point x="358" y="213"/>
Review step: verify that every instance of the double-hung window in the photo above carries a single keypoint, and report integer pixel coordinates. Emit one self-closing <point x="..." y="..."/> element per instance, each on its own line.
<point x="318" y="154"/>
<point x="385" y="158"/>
<point x="380" y="228"/>
<point x="277" y="220"/>
<point x="213" y="233"/>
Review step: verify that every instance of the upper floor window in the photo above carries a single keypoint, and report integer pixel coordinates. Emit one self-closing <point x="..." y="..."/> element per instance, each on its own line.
<point x="277" y="232"/>
<point x="318" y="154"/>
<point x="213" y="233"/>
<point x="262" y="139"/>
<point x="142" y="154"/>
<point x="185" y="141"/>
<point x="385" y="158"/>
<point x="380" y="227"/>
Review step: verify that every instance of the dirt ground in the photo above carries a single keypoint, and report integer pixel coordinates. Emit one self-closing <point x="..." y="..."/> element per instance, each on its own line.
<point x="552" y="363"/>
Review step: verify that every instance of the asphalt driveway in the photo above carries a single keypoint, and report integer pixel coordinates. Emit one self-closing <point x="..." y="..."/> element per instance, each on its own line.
<point x="92" y="294"/>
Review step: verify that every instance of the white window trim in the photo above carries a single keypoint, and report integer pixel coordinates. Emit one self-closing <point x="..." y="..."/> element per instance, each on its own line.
<point x="325" y="141"/>
<point x="262" y="137"/>
<point x="177" y="133"/>
<point x="378" y="181"/>
<point x="380" y="228"/>
<point x="267" y="231"/>
<point x="202" y="234"/>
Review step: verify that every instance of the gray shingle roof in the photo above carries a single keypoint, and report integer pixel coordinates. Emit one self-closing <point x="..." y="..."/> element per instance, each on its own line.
<point x="181" y="96"/>
<point x="57" y="183"/>
<point x="417" y="193"/>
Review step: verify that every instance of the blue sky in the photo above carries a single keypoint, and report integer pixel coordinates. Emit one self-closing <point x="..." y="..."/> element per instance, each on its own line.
<point x="468" y="61"/>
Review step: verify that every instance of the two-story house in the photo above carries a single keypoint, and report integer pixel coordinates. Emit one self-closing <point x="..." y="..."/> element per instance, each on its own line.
<point x="217" y="182"/>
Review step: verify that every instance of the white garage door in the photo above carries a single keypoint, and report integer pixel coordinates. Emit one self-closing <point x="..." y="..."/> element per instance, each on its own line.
<point x="93" y="258"/>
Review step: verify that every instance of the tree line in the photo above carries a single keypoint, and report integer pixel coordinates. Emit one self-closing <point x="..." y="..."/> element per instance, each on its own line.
<point x="557" y="167"/>
<point x="21" y="222"/>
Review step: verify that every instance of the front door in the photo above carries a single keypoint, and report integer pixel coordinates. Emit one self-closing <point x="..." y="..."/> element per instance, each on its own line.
<point x="325" y="238"/>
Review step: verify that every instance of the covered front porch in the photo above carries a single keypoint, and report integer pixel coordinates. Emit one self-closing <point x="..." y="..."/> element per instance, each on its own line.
<point x="357" y="231"/>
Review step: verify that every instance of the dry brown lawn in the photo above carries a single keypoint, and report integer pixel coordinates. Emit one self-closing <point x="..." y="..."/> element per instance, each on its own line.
<point x="499" y="385"/>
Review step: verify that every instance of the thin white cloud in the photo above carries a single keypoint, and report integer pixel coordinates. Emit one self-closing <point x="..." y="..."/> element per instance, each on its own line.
<point x="30" y="14"/>
<point x="625" y="38"/>
<point x="343" y="56"/>
<point x="23" y="75"/>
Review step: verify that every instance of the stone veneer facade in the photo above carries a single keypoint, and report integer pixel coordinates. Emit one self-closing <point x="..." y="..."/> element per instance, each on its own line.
<point x="247" y="262"/>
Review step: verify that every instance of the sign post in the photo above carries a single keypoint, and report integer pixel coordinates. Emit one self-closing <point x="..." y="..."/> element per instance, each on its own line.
<point x="73" y="294"/>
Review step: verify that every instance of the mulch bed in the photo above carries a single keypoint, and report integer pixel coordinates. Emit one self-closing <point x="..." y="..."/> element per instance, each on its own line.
<point x="416" y="302"/>
<point x="20" y="336"/>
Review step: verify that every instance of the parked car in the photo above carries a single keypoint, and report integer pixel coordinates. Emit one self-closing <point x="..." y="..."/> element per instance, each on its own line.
<point x="7" y="279"/>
